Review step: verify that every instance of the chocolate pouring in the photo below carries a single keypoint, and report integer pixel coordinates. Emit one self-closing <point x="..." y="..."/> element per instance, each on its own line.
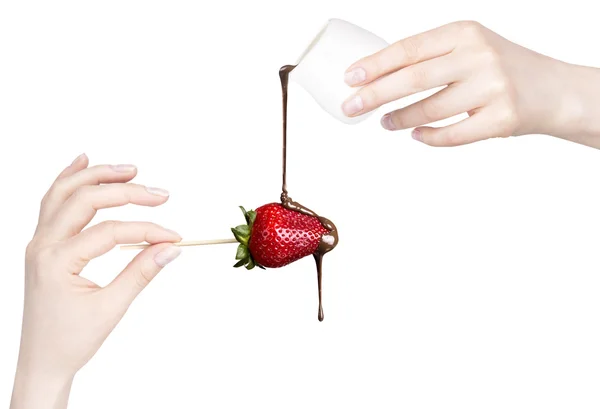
<point x="328" y="241"/>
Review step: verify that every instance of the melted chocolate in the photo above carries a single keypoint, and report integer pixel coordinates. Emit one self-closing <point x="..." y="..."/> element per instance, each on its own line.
<point x="284" y="74"/>
<point x="328" y="241"/>
<point x="319" y="260"/>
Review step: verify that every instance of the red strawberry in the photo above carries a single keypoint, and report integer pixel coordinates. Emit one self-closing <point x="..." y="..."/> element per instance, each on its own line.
<point x="275" y="236"/>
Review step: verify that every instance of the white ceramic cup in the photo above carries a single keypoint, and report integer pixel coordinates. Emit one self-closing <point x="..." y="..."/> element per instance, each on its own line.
<point x="320" y="69"/>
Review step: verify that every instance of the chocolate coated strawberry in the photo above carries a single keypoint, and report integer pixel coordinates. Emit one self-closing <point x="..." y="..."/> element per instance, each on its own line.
<point x="274" y="236"/>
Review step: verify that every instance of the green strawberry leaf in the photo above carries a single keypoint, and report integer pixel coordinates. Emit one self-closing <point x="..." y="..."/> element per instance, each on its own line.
<point x="250" y="264"/>
<point x="242" y="235"/>
<point x="251" y="217"/>
<point x="239" y="237"/>
<point x="242" y="252"/>
<point x="245" y="214"/>
<point x="243" y="230"/>
<point x="240" y="263"/>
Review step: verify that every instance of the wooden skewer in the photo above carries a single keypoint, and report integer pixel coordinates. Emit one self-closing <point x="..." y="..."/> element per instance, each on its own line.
<point x="182" y="243"/>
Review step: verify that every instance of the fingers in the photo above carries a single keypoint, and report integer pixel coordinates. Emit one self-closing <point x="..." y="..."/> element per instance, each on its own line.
<point x="103" y="237"/>
<point x="452" y="100"/>
<point x="408" y="81"/>
<point x="81" y="207"/>
<point x="67" y="184"/>
<point x="482" y="125"/>
<point x="418" y="48"/>
<point x="80" y="162"/>
<point x="141" y="271"/>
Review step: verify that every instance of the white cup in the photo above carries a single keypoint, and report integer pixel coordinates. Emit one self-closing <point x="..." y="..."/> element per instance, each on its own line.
<point x="320" y="69"/>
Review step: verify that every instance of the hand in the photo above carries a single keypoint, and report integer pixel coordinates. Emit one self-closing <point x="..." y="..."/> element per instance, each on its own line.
<point x="66" y="317"/>
<point x="505" y="89"/>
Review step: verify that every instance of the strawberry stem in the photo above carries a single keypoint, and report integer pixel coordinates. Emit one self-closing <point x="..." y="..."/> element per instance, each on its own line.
<point x="242" y="234"/>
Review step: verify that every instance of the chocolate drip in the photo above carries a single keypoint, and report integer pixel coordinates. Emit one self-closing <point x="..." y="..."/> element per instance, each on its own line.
<point x="319" y="260"/>
<point x="284" y="74"/>
<point x="329" y="240"/>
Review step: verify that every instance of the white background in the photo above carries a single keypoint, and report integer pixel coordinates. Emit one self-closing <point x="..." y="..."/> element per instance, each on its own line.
<point x="465" y="277"/>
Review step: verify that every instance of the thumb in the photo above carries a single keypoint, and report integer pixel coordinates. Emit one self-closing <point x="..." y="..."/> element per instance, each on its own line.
<point x="141" y="270"/>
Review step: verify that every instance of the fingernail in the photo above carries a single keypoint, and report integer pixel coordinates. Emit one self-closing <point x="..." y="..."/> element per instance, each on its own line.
<point x="353" y="105"/>
<point x="386" y="122"/>
<point x="416" y="135"/>
<point x="77" y="159"/>
<point x="355" y="76"/>
<point x="123" y="168"/>
<point x="157" y="191"/>
<point x="167" y="255"/>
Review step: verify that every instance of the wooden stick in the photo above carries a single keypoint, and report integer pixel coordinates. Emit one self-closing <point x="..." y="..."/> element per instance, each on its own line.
<point x="182" y="243"/>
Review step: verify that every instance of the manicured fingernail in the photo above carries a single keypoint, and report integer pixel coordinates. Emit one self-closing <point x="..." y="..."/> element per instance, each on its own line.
<point x="355" y="76"/>
<point x="123" y="168"/>
<point x="353" y="105"/>
<point x="79" y="158"/>
<point x="386" y="122"/>
<point x="157" y="191"/>
<point x="416" y="135"/>
<point x="167" y="255"/>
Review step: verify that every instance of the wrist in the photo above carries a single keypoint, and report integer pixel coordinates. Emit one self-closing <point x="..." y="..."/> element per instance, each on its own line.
<point x="577" y="116"/>
<point x="35" y="389"/>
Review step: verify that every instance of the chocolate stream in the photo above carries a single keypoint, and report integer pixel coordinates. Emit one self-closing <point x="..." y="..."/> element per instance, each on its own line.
<point x="328" y="241"/>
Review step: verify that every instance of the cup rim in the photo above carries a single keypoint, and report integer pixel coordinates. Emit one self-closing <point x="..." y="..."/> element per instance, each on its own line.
<point x="315" y="40"/>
